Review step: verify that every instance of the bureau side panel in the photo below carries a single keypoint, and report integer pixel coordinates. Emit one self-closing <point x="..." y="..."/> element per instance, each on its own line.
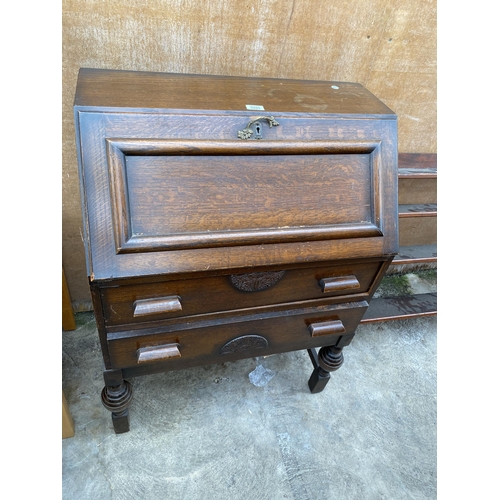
<point x="389" y="189"/>
<point x="83" y="195"/>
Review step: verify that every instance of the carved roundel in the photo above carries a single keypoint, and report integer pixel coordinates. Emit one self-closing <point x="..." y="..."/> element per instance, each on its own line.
<point x="255" y="282"/>
<point x="247" y="342"/>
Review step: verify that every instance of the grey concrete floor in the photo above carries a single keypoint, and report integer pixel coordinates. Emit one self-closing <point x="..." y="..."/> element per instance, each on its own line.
<point x="212" y="433"/>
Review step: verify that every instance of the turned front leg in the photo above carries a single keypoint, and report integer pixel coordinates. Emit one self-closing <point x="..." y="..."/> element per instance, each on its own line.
<point x="116" y="397"/>
<point x="329" y="359"/>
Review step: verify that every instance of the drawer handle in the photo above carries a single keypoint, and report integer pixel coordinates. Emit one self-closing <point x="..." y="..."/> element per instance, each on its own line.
<point x="146" y="307"/>
<point x="335" y="327"/>
<point x="158" y="353"/>
<point x="339" y="283"/>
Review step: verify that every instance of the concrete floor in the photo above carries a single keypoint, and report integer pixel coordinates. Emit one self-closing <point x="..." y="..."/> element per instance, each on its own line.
<point x="210" y="433"/>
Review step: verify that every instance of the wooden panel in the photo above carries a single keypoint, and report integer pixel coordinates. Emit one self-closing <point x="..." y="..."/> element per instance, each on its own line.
<point x="376" y="43"/>
<point x="423" y="164"/>
<point x="417" y="231"/>
<point x="192" y="194"/>
<point x="417" y="190"/>
<point x="179" y="200"/>
<point x="171" y="91"/>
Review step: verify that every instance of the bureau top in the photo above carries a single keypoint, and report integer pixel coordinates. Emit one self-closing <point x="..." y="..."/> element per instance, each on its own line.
<point x="146" y="90"/>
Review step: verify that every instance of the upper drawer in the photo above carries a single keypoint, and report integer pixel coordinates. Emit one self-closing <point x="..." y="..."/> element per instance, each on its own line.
<point x="166" y="194"/>
<point x="156" y="301"/>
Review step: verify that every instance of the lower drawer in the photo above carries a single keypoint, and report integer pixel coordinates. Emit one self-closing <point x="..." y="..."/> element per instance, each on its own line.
<point x="233" y="338"/>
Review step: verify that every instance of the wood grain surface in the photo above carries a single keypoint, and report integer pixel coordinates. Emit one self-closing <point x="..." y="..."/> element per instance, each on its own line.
<point x="218" y="293"/>
<point x="159" y="180"/>
<point x="283" y="331"/>
<point x="387" y="46"/>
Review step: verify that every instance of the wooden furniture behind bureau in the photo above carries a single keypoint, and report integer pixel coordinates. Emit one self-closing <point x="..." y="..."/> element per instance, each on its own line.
<point x="230" y="217"/>
<point x="417" y="186"/>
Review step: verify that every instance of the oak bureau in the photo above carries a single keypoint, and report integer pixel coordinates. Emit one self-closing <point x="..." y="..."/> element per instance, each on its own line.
<point x="230" y="217"/>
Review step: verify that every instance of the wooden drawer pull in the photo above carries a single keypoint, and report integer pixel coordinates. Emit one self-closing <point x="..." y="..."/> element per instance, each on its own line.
<point x="158" y="353"/>
<point x="339" y="283"/>
<point x="335" y="327"/>
<point x="156" y="306"/>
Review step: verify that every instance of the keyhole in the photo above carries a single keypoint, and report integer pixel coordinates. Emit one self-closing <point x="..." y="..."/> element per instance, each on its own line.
<point x="258" y="127"/>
